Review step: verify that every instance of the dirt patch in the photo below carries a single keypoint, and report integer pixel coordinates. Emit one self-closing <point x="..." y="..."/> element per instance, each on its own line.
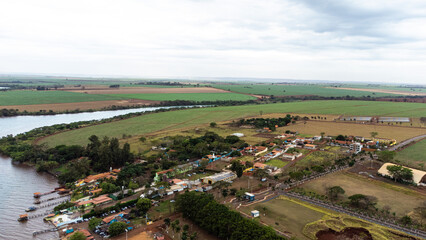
<point x="57" y="107"/>
<point x="384" y="91"/>
<point x="346" y="234"/>
<point x="135" y="90"/>
<point x="265" y="135"/>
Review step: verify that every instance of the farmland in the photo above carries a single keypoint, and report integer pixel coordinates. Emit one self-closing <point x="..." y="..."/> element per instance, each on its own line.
<point x="296" y="90"/>
<point x="47" y="97"/>
<point x="198" y="97"/>
<point x="335" y="128"/>
<point x="357" y="184"/>
<point x="173" y="120"/>
<point x="414" y="155"/>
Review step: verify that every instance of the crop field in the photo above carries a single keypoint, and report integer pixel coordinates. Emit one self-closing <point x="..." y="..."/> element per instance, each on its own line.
<point x="188" y="118"/>
<point x="385" y="192"/>
<point x="148" y="90"/>
<point x="336" y="128"/>
<point x="294" y="90"/>
<point x="46" y="97"/>
<point x="198" y="97"/>
<point x="414" y="155"/>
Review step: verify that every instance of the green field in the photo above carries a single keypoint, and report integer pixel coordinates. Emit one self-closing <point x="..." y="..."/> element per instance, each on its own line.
<point x="194" y="117"/>
<point x="384" y="192"/>
<point x="316" y="158"/>
<point x="276" y="163"/>
<point x="27" y="97"/>
<point x="188" y="96"/>
<point x="300" y="89"/>
<point x="414" y="155"/>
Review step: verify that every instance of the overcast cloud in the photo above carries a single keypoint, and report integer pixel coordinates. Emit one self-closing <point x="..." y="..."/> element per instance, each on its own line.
<point x="378" y="40"/>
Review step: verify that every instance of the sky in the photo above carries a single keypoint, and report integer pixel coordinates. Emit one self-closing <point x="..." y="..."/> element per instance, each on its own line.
<point x="338" y="40"/>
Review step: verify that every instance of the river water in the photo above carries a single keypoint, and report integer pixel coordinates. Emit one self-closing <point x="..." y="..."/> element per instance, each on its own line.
<point x="18" y="182"/>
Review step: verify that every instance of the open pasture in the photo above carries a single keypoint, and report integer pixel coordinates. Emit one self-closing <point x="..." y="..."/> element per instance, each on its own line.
<point x="188" y="118"/>
<point x="384" y="192"/>
<point x="336" y="128"/>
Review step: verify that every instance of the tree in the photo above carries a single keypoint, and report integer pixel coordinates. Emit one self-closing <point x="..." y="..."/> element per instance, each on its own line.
<point x="94" y="222"/>
<point x="322" y="134"/>
<point x="143" y="205"/>
<point x="116" y="228"/>
<point x="373" y="134"/>
<point x="237" y="167"/>
<point x="233" y="191"/>
<point x="362" y="201"/>
<point x="341" y="137"/>
<point x="224" y="192"/>
<point x="213" y="124"/>
<point x="400" y="173"/>
<point x="78" y="236"/>
<point x="142" y="139"/>
<point x="185" y="227"/>
<point x="193" y="236"/>
<point x="167" y="221"/>
<point x="406" y="220"/>
<point x="204" y="163"/>
<point x="386" y="156"/>
<point x="334" y="192"/>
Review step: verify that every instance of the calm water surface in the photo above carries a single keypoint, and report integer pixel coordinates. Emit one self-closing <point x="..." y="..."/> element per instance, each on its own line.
<point x="19" y="182"/>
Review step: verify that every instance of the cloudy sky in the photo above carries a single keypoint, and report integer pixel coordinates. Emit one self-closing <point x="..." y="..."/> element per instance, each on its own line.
<point x="362" y="40"/>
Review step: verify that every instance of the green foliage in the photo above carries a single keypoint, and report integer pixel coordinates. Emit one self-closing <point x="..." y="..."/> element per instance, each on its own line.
<point x="406" y="220"/>
<point x="213" y="124"/>
<point x="334" y="192"/>
<point x="94" y="222"/>
<point x="64" y="205"/>
<point x="362" y="201"/>
<point x="77" y="236"/>
<point x="270" y="123"/>
<point x="237" y="167"/>
<point x="386" y="156"/>
<point x="109" y="187"/>
<point x="218" y="220"/>
<point x="142" y="139"/>
<point x="143" y="205"/>
<point x="400" y="173"/>
<point x="116" y="228"/>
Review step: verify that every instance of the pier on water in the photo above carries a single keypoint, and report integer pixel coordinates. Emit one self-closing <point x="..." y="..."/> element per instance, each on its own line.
<point x="37" y="201"/>
<point x="35" y="233"/>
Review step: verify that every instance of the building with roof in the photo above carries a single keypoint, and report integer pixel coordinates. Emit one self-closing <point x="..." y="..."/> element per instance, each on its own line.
<point x="394" y="119"/>
<point x="223" y="176"/>
<point x="418" y="175"/>
<point x="310" y="146"/>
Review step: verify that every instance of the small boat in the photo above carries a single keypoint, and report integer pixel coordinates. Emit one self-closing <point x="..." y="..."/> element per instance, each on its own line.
<point x="37" y="194"/>
<point x="30" y="209"/>
<point x="37" y="201"/>
<point x="23" y="217"/>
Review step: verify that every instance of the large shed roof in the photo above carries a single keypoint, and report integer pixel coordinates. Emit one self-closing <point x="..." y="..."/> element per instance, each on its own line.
<point x="417" y="174"/>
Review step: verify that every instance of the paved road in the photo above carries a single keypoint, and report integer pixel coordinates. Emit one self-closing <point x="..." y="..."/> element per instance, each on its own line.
<point x="408" y="141"/>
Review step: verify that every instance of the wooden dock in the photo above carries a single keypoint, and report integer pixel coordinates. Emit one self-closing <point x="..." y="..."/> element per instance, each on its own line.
<point x="45" y="231"/>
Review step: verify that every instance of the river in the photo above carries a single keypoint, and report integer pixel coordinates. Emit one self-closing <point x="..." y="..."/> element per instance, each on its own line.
<point x="18" y="182"/>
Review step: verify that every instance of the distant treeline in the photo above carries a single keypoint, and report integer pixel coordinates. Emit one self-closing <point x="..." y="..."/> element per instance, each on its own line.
<point x="218" y="220"/>
<point x="270" y="123"/>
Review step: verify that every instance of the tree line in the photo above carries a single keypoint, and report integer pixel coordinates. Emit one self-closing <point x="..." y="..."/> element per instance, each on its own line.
<point x="218" y="220"/>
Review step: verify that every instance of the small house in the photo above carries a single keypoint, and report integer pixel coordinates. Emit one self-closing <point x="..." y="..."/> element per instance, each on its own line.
<point x="255" y="213"/>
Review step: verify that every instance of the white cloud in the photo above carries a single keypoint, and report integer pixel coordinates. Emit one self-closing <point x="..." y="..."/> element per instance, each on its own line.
<point x="299" y="39"/>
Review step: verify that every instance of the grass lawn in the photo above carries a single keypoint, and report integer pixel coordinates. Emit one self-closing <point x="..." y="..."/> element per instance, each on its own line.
<point x="299" y="89"/>
<point x="187" y="96"/>
<point x="27" y="97"/>
<point x="387" y="194"/>
<point x="414" y="155"/>
<point x="316" y="158"/>
<point x="195" y="117"/>
<point x="276" y="163"/>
